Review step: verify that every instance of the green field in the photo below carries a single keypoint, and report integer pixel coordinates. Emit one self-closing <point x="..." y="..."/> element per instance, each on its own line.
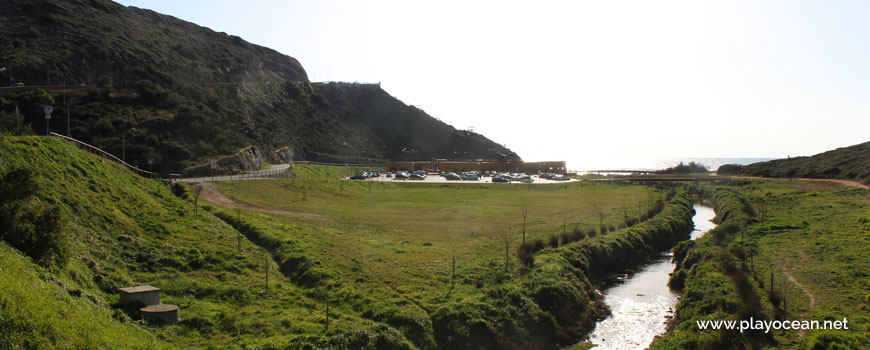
<point x="815" y="238"/>
<point x="404" y="235"/>
<point x="379" y="258"/>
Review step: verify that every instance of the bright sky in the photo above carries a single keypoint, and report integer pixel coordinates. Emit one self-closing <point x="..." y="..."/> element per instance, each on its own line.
<point x="597" y="83"/>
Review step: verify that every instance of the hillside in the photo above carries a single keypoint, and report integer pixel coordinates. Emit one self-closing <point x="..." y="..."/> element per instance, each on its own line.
<point x="118" y="230"/>
<point x="852" y="163"/>
<point x="156" y="86"/>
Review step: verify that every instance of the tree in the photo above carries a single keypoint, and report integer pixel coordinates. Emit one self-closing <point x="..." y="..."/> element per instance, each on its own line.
<point x="601" y="213"/>
<point x="33" y="226"/>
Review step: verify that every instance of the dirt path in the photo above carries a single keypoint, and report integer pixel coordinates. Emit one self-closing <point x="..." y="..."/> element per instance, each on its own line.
<point x="848" y="183"/>
<point x="809" y="294"/>
<point x="211" y="194"/>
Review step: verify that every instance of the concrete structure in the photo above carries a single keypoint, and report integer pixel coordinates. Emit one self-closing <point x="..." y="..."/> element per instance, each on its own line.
<point x="147" y="295"/>
<point x="166" y="313"/>
<point x="461" y="165"/>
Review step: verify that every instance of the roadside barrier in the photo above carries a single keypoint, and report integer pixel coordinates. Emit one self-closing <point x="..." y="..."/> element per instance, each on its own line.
<point x="109" y="156"/>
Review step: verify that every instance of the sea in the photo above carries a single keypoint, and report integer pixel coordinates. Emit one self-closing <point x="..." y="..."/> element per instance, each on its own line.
<point x="655" y="163"/>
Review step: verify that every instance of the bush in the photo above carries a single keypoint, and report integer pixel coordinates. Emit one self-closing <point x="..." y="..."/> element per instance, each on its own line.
<point x="831" y="340"/>
<point x="31" y="226"/>
<point x="729" y="169"/>
<point x="554" y="241"/>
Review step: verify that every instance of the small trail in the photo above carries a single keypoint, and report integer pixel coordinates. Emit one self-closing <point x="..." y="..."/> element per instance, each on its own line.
<point x="211" y="194"/>
<point x="806" y="291"/>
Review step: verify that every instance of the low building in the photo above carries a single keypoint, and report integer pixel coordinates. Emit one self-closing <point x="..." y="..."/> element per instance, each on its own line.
<point x="462" y="165"/>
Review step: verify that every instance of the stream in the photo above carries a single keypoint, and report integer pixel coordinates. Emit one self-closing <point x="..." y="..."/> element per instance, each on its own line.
<point x="642" y="303"/>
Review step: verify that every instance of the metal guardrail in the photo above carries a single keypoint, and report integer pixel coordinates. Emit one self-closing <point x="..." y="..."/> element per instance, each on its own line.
<point x="340" y="164"/>
<point x="100" y="152"/>
<point x="278" y="172"/>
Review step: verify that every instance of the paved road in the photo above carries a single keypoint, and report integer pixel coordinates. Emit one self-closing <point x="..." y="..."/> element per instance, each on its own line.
<point x="278" y="170"/>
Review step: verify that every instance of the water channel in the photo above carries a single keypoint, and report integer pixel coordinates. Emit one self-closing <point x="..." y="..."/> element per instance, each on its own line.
<point x="642" y="303"/>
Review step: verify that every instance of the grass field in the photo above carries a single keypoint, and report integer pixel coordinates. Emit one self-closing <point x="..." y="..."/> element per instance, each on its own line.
<point x="381" y="257"/>
<point x="815" y="238"/>
<point x="783" y="250"/>
<point x="404" y="235"/>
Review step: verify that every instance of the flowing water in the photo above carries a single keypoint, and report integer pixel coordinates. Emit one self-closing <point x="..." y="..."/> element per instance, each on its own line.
<point x="642" y="304"/>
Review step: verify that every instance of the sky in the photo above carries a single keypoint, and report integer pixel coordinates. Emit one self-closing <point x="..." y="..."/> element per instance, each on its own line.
<point x="596" y="83"/>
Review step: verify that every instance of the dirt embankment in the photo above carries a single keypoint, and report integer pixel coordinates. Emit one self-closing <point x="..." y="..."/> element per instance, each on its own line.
<point x="211" y="194"/>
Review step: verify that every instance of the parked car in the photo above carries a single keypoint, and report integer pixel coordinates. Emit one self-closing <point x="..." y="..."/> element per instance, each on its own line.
<point x="561" y="178"/>
<point x="470" y="177"/>
<point x="527" y="181"/>
<point x="500" y="179"/>
<point x="401" y="174"/>
<point x="419" y="174"/>
<point x="389" y="175"/>
<point x="359" y="176"/>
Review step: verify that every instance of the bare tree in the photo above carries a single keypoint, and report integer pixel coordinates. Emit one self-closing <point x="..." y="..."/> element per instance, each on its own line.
<point x="266" y="266"/>
<point x="507" y="242"/>
<point x="197" y="190"/>
<point x="601" y="213"/>
<point x="453" y="273"/>
<point x="238" y="233"/>
<point x="525" y="214"/>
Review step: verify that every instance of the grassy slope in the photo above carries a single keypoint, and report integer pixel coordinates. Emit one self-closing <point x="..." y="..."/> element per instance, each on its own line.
<point x="130" y="231"/>
<point x="812" y="231"/>
<point x="851" y="163"/>
<point x="37" y="314"/>
<point x="819" y="234"/>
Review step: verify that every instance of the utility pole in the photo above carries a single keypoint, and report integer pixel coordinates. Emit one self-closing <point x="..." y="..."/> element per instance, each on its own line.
<point x="18" y="120"/>
<point x="68" y="104"/>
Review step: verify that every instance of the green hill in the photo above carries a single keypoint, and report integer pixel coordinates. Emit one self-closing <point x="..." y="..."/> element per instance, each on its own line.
<point x="117" y="230"/>
<point x="156" y="86"/>
<point x="851" y="163"/>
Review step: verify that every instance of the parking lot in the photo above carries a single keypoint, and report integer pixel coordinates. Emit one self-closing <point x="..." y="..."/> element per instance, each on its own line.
<point x="486" y="179"/>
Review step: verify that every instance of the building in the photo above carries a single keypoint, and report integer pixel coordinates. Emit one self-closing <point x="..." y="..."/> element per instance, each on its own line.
<point x="462" y="165"/>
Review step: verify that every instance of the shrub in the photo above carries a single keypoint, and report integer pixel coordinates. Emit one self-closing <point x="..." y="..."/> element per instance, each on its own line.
<point x="526" y="255"/>
<point x="830" y="340"/>
<point x="554" y="241"/>
<point x="28" y="224"/>
<point x="590" y="232"/>
<point x="729" y="169"/>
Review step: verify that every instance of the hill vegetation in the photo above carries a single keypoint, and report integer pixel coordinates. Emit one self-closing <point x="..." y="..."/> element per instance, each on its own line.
<point x="851" y="163"/>
<point x="158" y="87"/>
<point x="781" y="251"/>
<point x="683" y="168"/>
<point x="120" y="230"/>
<point x="377" y="256"/>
